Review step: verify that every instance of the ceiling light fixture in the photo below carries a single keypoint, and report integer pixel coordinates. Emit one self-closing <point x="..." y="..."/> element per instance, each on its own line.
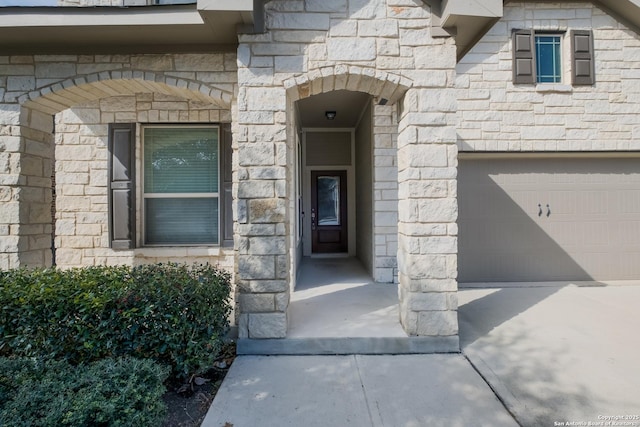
<point x="330" y="115"/>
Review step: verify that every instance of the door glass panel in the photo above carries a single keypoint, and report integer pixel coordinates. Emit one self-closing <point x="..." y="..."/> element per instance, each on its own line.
<point x="328" y="200"/>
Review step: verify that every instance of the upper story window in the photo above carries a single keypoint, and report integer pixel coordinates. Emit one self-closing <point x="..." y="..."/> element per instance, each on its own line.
<point x="538" y="57"/>
<point x="548" y="58"/>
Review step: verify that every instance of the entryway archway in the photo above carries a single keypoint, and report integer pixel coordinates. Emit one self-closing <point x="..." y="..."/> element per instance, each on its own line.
<point x="345" y="187"/>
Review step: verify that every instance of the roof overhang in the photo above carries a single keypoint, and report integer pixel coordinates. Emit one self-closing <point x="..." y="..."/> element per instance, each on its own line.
<point x="626" y="11"/>
<point x="466" y="20"/>
<point x="209" y="25"/>
<point x="213" y="25"/>
<point x="469" y="20"/>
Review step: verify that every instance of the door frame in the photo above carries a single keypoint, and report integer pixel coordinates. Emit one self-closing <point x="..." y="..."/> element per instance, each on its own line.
<point x="306" y="191"/>
<point x="344" y="211"/>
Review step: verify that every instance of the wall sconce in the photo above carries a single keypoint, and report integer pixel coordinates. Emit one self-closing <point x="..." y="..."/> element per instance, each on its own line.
<point x="330" y="115"/>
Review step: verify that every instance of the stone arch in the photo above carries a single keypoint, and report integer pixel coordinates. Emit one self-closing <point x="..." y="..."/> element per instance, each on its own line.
<point x="385" y="89"/>
<point x="91" y="87"/>
<point x="380" y="84"/>
<point x="33" y="127"/>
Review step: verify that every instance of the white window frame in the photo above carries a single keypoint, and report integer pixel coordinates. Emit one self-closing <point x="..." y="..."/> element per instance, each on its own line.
<point x="145" y="196"/>
<point x="561" y="47"/>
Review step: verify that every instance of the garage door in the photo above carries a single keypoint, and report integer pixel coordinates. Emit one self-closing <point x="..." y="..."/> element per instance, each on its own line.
<point x="549" y="219"/>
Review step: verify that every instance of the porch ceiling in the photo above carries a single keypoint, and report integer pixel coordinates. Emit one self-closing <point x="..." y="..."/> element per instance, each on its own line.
<point x="348" y="106"/>
<point x="206" y="26"/>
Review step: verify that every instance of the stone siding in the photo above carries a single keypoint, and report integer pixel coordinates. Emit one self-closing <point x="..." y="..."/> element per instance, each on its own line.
<point x="81" y="174"/>
<point x="87" y="92"/>
<point x="495" y="115"/>
<point x="380" y="47"/>
<point x="385" y="190"/>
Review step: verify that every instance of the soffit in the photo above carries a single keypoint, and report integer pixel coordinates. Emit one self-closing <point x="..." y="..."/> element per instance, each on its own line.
<point x="145" y="29"/>
<point x="348" y="106"/>
<point x="212" y="25"/>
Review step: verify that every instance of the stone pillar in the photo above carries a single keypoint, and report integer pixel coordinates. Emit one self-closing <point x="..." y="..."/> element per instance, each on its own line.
<point x="260" y="190"/>
<point x="427" y="229"/>
<point x="25" y="187"/>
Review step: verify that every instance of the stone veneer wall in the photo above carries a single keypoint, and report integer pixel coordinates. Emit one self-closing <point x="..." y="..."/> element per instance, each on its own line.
<point x="25" y="180"/>
<point x="495" y="115"/>
<point x="381" y="47"/>
<point x="81" y="175"/>
<point x="385" y="190"/>
<point x="146" y="88"/>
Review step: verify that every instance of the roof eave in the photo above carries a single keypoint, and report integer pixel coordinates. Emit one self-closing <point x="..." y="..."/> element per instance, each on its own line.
<point x="205" y="26"/>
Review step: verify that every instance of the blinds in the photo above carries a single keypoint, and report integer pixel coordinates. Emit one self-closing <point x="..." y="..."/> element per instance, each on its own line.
<point x="181" y="185"/>
<point x="181" y="160"/>
<point x="181" y="221"/>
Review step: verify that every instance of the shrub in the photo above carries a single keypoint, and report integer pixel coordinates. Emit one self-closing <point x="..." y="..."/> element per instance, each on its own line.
<point x="174" y="314"/>
<point x="110" y="392"/>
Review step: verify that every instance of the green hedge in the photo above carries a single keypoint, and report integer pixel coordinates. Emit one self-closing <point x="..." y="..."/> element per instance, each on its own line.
<point x="173" y="314"/>
<point x="110" y="392"/>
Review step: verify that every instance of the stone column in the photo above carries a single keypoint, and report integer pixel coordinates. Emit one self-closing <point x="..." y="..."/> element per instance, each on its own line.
<point x="26" y="145"/>
<point x="427" y="229"/>
<point x="260" y="191"/>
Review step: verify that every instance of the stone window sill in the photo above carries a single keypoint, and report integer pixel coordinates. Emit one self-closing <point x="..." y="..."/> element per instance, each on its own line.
<point x="552" y="87"/>
<point x="179" y="251"/>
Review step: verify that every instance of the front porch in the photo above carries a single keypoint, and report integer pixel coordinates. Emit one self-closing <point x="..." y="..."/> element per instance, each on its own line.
<point x="337" y="308"/>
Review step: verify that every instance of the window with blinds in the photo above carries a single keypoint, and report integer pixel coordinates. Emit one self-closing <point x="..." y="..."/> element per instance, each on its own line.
<point x="181" y="185"/>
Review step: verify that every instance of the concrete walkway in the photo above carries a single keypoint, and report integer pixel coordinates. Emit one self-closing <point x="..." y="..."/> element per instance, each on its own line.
<point x="551" y="354"/>
<point x="338" y="309"/>
<point x="360" y="391"/>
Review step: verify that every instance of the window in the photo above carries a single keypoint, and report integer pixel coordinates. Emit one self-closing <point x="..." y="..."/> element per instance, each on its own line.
<point x="185" y="190"/>
<point x="548" y="59"/>
<point x="538" y="57"/>
<point x="181" y="185"/>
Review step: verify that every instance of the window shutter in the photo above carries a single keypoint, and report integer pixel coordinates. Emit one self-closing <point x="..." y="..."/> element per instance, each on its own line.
<point x="226" y="159"/>
<point x="583" y="67"/>
<point x="122" y="185"/>
<point x="523" y="57"/>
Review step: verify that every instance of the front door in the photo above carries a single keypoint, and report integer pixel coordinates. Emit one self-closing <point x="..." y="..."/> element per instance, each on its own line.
<point x="329" y="211"/>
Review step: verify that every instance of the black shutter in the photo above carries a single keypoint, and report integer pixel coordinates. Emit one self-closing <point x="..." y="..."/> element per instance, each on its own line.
<point x="226" y="151"/>
<point x="583" y="67"/>
<point x="122" y="190"/>
<point x="524" y="65"/>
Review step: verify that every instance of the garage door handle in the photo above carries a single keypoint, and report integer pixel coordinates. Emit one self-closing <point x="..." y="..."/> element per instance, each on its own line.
<point x="548" y="211"/>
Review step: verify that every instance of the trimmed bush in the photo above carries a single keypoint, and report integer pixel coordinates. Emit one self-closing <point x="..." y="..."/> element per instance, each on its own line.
<point x="111" y="392"/>
<point x="173" y="314"/>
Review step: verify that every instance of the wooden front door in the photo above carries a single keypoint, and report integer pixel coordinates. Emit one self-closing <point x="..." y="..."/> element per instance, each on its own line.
<point x="329" y="211"/>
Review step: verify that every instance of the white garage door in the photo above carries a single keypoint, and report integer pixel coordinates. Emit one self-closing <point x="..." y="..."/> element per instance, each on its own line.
<point x="549" y="219"/>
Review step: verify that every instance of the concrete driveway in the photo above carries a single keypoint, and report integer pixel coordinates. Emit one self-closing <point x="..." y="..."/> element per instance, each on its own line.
<point x="557" y="354"/>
